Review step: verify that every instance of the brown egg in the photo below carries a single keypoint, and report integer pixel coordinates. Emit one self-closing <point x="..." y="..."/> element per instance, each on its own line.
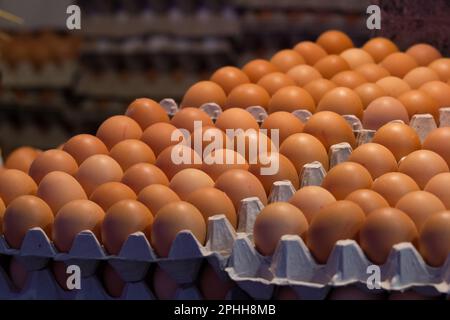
<point x="377" y="159"/>
<point x="384" y="228"/>
<point x="97" y="170"/>
<point x="251" y="143"/>
<point x="356" y="57"/>
<point x="318" y="88"/>
<point x="247" y="95"/>
<point x="156" y="196"/>
<point x="240" y="184"/>
<point x="21" y="158"/>
<point x="2" y="212"/>
<point x="290" y="99"/>
<point x="310" y="51"/>
<point x="286" y="123"/>
<point x="352" y="292"/>
<point x="393" y="86"/>
<point x="15" y="183"/>
<point x="349" y="79"/>
<point x="229" y="77"/>
<point x="159" y="136"/>
<point x="52" y="160"/>
<point x="272" y="167"/>
<point x="273" y="222"/>
<point x="23" y="214"/>
<point x="434" y="239"/>
<point x="311" y="199"/>
<point x="74" y="217"/>
<point x="439" y="91"/>
<point x="422" y="165"/>
<point x="173" y="218"/>
<point x="164" y="286"/>
<point x="372" y="72"/>
<point x="146" y="112"/>
<point x="236" y="118"/>
<point x="303" y="74"/>
<point x="203" y="92"/>
<point x="331" y="65"/>
<point x="122" y="219"/>
<point x="368" y="92"/>
<point x="368" y="200"/>
<point x="130" y="152"/>
<point x="423" y="53"/>
<point x="419" y="102"/>
<point x="185" y="118"/>
<point x="82" y="146"/>
<point x="173" y="159"/>
<point x="394" y="185"/>
<point x="204" y="139"/>
<point x="399" y="138"/>
<point x="334" y="41"/>
<point x="221" y="160"/>
<point x="342" y="101"/>
<point x="58" y="188"/>
<point x="189" y="180"/>
<point x="18" y="273"/>
<point x="382" y="111"/>
<point x="211" y="286"/>
<point x="258" y="68"/>
<point x="330" y="128"/>
<point x="442" y="68"/>
<point x="113" y="283"/>
<point x="286" y="59"/>
<point x="399" y="64"/>
<point x="211" y="201"/>
<point x="419" y="206"/>
<point x="110" y="193"/>
<point x="142" y="175"/>
<point x="118" y="128"/>
<point x="274" y="81"/>
<point x="419" y="76"/>
<point x="345" y="178"/>
<point x="340" y="220"/>
<point x="439" y="185"/>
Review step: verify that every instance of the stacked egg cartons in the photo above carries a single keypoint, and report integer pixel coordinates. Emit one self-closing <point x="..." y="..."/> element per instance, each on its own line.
<point x="317" y="228"/>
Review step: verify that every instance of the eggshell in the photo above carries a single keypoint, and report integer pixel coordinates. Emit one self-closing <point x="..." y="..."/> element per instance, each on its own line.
<point x="159" y="136"/>
<point x="303" y="74"/>
<point x="142" y="175"/>
<point x="82" y="146"/>
<point x="122" y="219"/>
<point x="112" y="281"/>
<point x="384" y="228"/>
<point x="186" y="118"/>
<point x="211" y="201"/>
<point x="130" y="152"/>
<point x="118" y="128"/>
<point x="342" y="101"/>
<point x="384" y="110"/>
<point x="229" y="77"/>
<point x="349" y="79"/>
<point x="251" y="143"/>
<point x="318" y="88"/>
<point x="393" y="86"/>
<point x="274" y="81"/>
<point x="22" y="214"/>
<point x="240" y="184"/>
<point x="285" y="124"/>
<point x="442" y="68"/>
<point x="368" y="200"/>
<point x="203" y="92"/>
<point x="356" y="57"/>
<point x="399" y="64"/>
<point x="311" y="199"/>
<point x="173" y="159"/>
<point x="419" y="102"/>
<point x="291" y="98"/>
<point x="221" y="160"/>
<point x="247" y="95"/>
<point x="352" y="292"/>
<point x="419" y="76"/>
<point x="2" y="213"/>
<point x="334" y="41"/>
<point x="74" y="217"/>
<point x="156" y="196"/>
<point x="423" y="53"/>
<point x="286" y="59"/>
<point x="368" y="92"/>
<point x="52" y="160"/>
<point x="110" y="193"/>
<point x="340" y="220"/>
<point x="173" y="218"/>
<point x="439" y="185"/>
<point x="439" y="91"/>
<point x="331" y="65"/>
<point x="164" y="286"/>
<point x="434" y="239"/>
<point x="211" y="286"/>
<point x="205" y="139"/>
<point x="189" y="180"/>
<point x="146" y="112"/>
<point x="258" y="68"/>
<point x="394" y="185"/>
<point x="21" y="158"/>
<point x="372" y="72"/>
<point x="18" y="273"/>
<point x="376" y="158"/>
<point x="310" y="51"/>
<point x="273" y="222"/>
<point x="15" y="183"/>
<point x="236" y="118"/>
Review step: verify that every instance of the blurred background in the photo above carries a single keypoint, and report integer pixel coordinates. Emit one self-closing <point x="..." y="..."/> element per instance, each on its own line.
<point x="56" y="82"/>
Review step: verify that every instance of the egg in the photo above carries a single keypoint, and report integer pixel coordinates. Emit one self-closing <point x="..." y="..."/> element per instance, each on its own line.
<point x="356" y="57"/>
<point x="74" y="217"/>
<point x="291" y="98"/>
<point x="21" y="158"/>
<point x="15" y="183"/>
<point x="52" y="160"/>
<point x="203" y="92"/>
<point x="113" y="283"/>
<point x="155" y="196"/>
<point x="273" y="222"/>
<point x="422" y="165"/>
<point x="229" y="77"/>
<point x="352" y="292"/>
<point x="439" y="185"/>
<point x="274" y="81"/>
<point x="173" y="159"/>
<point x="82" y="146"/>
<point x="303" y="74"/>
<point x="18" y="273"/>
<point x="146" y="112"/>
<point x="399" y="138"/>
<point x="284" y="122"/>
<point x="394" y="185"/>
<point x="118" y="128"/>
<point x="221" y="160"/>
<point x="310" y="51"/>
<point x="206" y="139"/>
<point x="211" y="201"/>
<point x="173" y="218"/>
<point x="439" y="91"/>
<point x="372" y="72"/>
<point x="159" y="136"/>
<point x="311" y="199"/>
<point x="419" y="102"/>
<point x="340" y="220"/>
<point x="258" y="68"/>
<point x="251" y="143"/>
<point x="376" y="158"/>
<point x="368" y="92"/>
<point x="368" y="200"/>
<point x="423" y="53"/>
<point x="342" y="101"/>
<point x="240" y="184"/>
<point x="236" y="118"/>
<point x="130" y="152"/>
<point x="189" y="180"/>
<point x="331" y="65"/>
<point x="247" y="95"/>
<point x="349" y="79"/>
<point x="384" y="228"/>
<point x="164" y="286"/>
<point x="96" y="170"/>
<point x="110" y="193"/>
<point x="22" y="214"/>
<point x="142" y="175"/>
<point x="286" y="59"/>
<point x="442" y="68"/>
<point x="393" y="86"/>
<point x="345" y="178"/>
<point x="318" y="88"/>
<point x="434" y="239"/>
<point x="382" y="111"/>
<point x="302" y="148"/>
<point x="330" y="128"/>
<point x="334" y="41"/>
<point x="122" y="219"/>
<point x="213" y="287"/>
<point x="186" y="118"/>
<point x="2" y="212"/>
<point x="419" y="76"/>
<point x="399" y="64"/>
